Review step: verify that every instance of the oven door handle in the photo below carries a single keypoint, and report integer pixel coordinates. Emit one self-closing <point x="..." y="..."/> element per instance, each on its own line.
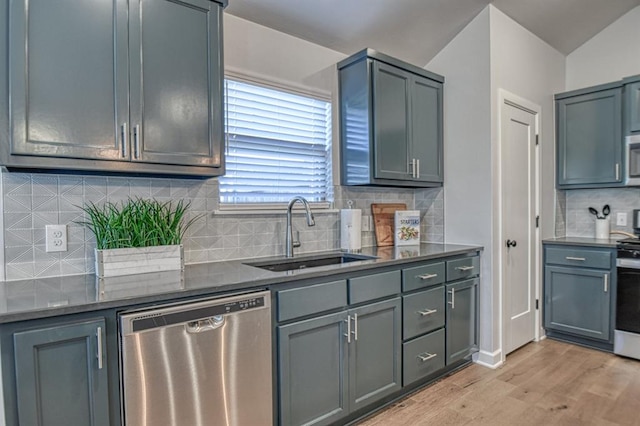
<point x="628" y="263"/>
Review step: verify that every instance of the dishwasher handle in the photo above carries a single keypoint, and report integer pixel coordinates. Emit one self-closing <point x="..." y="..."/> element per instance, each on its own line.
<point x="207" y="324"/>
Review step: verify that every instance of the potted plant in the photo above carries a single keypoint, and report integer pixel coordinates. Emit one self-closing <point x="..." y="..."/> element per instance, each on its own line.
<point x="138" y="235"/>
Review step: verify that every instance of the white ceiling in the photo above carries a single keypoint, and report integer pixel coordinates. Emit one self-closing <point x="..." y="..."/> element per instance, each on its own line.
<point x="415" y="30"/>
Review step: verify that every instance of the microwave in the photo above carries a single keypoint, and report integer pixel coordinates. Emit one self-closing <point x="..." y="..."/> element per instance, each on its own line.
<point x="632" y="146"/>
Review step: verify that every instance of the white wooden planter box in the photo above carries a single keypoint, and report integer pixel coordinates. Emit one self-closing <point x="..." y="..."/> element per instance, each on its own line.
<point x="128" y="261"/>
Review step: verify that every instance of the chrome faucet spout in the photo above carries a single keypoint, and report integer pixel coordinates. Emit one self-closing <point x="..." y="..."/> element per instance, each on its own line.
<point x="290" y="243"/>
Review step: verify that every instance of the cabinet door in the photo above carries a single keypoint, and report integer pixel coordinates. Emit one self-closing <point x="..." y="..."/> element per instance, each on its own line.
<point x="391" y="109"/>
<point x="176" y="82"/>
<point x="589" y="139"/>
<point x="461" y="319"/>
<point x="312" y="370"/>
<point x="426" y="129"/>
<point x="69" y="78"/>
<point x="577" y="301"/>
<point x="374" y="353"/>
<point x="633" y="106"/>
<point x="60" y="376"/>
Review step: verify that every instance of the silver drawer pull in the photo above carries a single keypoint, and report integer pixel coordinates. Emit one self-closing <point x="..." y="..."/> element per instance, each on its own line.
<point x="579" y="259"/>
<point x="427" y="312"/>
<point x="348" y="335"/>
<point x="424" y="357"/>
<point x="99" y="347"/>
<point x="464" y="268"/>
<point x="427" y="276"/>
<point x="606" y="283"/>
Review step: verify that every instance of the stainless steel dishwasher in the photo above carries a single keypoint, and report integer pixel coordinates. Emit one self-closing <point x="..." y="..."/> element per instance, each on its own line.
<point x="205" y="363"/>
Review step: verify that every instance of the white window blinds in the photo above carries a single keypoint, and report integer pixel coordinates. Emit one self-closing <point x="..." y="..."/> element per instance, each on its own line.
<point x="277" y="145"/>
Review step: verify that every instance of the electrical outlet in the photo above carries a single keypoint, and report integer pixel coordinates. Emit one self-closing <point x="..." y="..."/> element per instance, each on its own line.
<point x="56" y="238"/>
<point x="366" y="223"/>
<point x="621" y="219"/>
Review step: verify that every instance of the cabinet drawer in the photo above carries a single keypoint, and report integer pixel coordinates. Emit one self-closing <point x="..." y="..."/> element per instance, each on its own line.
<point x="422" y="312"/>
<point x="422" y="356"/>
<point x="573" y="256"/>
<point x="374" y="286"/>
<point x="298" y="302"/>
<point x="463" y="268"/>
<point x="422" y="276"/>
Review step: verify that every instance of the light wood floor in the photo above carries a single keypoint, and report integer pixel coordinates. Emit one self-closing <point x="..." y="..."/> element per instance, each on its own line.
<point x="546" y="383"/>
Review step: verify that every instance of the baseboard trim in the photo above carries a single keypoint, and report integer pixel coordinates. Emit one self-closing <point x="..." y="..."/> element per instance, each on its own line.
<point x="491" y="360"/>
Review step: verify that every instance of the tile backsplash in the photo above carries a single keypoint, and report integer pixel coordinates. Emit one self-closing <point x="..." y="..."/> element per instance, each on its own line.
<point x="31" y="201"/>
<point x="575" y="216"/>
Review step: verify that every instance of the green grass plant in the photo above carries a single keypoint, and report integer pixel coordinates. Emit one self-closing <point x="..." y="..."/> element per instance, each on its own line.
<point x="137" y="223"/>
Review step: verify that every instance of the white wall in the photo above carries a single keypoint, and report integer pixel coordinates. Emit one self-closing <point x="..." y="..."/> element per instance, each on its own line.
<point x="261" y="52"/>
<point x="612" y="54"/>
<point x="493" y="52"/>
<point x="526" y="66"/>
<point x="467" y="151"/>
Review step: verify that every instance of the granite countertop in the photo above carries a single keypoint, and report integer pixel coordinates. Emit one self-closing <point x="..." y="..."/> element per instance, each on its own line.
<point x="583" y="241"/>
<point x="48" y="297"/>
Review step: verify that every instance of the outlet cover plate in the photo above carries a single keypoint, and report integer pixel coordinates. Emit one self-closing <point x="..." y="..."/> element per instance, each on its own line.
<point x="56" y="238"/>
<point x="621" y="219"/>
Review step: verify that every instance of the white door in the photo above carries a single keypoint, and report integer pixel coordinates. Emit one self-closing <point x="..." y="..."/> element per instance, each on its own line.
<point x="518" y="177"/>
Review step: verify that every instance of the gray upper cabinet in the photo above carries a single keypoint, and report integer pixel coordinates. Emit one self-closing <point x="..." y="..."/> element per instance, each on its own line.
<point x="390" y="122"/>
<point x="61" y="375"/>
<point x="632" y="104"/>
<point x="589" y="137"/>
<point x="108" y="85"/>
<point x="69" y="78"/>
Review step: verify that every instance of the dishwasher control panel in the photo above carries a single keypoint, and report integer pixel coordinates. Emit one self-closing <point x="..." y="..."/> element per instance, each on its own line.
<point x="179" y="314"/>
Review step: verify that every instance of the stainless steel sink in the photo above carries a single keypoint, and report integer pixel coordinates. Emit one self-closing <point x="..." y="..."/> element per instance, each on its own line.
<point x="304" y="262"/>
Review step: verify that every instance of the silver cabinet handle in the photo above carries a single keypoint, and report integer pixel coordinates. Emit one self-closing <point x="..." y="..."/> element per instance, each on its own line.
<point x="412" y="165"/>
<point x="355" y="327"/>
<point x="579" y="259"/>
<point x="99" y="337"/>
<point x="125" y="138"/>
<point x="617" y="171"/>
<point x="418" y="168"/>
<point x="452" y="292"/>
<point x="606" y="283"/>
<point x="464" y="268"/>
<point x="136" y="141"/>
<point x="427" y="312"/>
<point x="348" y="320"/>
<point x="427" y="276"/>
<point x="426" y="356"/>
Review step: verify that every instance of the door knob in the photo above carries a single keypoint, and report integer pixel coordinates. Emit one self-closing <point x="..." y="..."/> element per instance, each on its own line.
<point x="511" y="243"/>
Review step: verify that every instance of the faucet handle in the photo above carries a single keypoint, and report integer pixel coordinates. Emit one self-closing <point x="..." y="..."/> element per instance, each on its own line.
<point x="296" y="241"/>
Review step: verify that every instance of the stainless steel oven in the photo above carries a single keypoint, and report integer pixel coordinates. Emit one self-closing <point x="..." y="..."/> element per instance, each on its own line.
<point x="632" y="147"/>
<point x="627" y="331"/>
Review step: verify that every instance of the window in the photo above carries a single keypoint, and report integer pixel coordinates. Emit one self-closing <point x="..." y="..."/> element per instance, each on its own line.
<point x="278" y="146"/>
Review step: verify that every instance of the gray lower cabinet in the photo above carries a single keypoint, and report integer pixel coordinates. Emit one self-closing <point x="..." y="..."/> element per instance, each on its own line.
<point x="107" y="85"/>
<point x="61" y="375"/>
<point x="313" y="363"/>
<point x="589" y="137"/>
<point x="391" y="122"/>
<point x="578" y="301"/>
<point x="335" y="364"/>
<point x="462" y="335"/>
<point x="579" y="293"/>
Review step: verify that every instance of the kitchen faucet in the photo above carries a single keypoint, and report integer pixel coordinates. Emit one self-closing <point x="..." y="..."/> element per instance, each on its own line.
<point x="289" y="237"/>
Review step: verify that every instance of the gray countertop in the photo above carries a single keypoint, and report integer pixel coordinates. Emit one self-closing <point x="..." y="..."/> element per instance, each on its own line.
<point x="47" y="297"/>
<point x="582" y="241"/>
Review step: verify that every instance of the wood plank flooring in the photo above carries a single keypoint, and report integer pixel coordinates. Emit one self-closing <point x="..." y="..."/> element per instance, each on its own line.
<point x="545" y="383"/>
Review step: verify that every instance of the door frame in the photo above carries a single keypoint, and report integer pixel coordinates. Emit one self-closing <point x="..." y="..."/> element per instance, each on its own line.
<point x="507" y="98"/>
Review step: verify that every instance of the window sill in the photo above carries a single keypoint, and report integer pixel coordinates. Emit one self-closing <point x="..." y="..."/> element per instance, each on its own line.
<point x="274" y="212"/>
